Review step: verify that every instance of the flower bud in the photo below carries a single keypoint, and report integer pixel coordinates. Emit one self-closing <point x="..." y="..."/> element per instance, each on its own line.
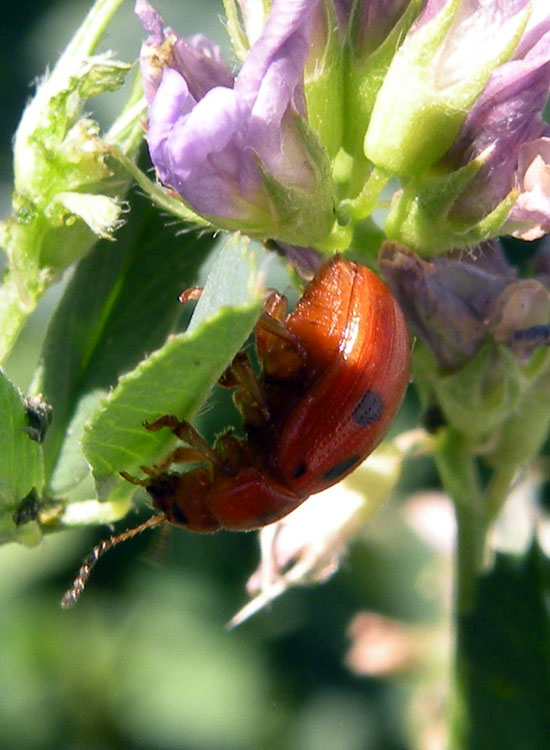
<point x="375" y="31"/>
<point x="494" y="178"/>
<point x="506" y="123"/>
<point x="435" y="77"/>
<point x="486" y="361"/>
<point x="60" y="159"/>
<point x="324" y="78"/>
<point x="421" y="214"/>
<point x="448" y="301"/>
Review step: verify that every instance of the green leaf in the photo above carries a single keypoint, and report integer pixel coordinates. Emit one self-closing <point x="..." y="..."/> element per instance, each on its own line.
<point x="503" y="663"/>
<point x="119" y="306"/>
<point x="174" y="380"/>
<point x="21" y="467"/>
<point x="177" y="378"/>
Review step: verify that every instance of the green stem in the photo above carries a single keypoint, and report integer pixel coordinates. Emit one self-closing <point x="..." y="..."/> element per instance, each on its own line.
<point x="126" y="132"/>
<point x="367" y="200"/>
<point x="22" y="283"/>
<point x="22" y="235"/>
<point x="458" y="473"/>
<point x="338" y="240"/>
<point x="13" y="313"/>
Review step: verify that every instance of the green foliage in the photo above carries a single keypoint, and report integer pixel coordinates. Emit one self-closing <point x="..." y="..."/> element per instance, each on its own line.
<point x="66" y="192"/>
<point x="174" y="380"/>
<point x="21" y="468"/>
<point x="118" y="322"/>
<point x="158" y="670"/>
<point x="503" y="659"/>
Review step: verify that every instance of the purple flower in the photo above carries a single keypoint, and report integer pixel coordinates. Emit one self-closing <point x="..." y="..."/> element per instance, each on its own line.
<point x="489" y="333"/>
<point x="454" y="302"/>
<point x="239" y="151"/>
<point x="506" y="123"/>
<point x="530" y="216"/>
<point x="198" y="59"/>
<point x="473" y="140"/>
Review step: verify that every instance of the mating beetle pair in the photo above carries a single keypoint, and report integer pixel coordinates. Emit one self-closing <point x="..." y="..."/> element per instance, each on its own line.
<point x="333" y="375"/>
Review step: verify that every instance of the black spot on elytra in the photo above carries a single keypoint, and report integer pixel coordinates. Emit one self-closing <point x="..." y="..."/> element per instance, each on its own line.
<point x="178" y="515"/>
<point x="340" y="469"/>
<point x="299" y="471"/>
<point x="369" y="409"/>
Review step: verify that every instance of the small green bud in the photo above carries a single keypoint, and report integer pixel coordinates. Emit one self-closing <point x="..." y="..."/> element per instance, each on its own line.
<point x="433" y="80"/>
<point x="478" y="398"/>
<point x="524" y="431"/>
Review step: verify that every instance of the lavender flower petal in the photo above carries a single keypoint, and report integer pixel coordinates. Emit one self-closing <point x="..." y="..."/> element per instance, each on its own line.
<point x="212" y="138"/>
<point x="507" y="120"/>
<point x="197" y="59"/>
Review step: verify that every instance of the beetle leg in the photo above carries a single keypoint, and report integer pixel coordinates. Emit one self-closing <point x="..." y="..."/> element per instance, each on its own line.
<point x="188" y="434"/>
<point x="235" y="451"/>
<point x="276" y="305"/>
<point x="280" y="351"/>
<point x="134" y="480"/>
<point x="180" y="455"/>
<point x="249" y="397"/>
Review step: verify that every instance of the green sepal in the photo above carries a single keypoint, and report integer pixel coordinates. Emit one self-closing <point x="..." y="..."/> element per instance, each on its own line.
<point x="523" y="433"/>
<point x="497" y="402"/>
<point x="302" y="215"/>
<point x="420" y="215"/>
<point x="479" y="397"/>
<point x="323" y="83"/>
<point x="237" y="31"/>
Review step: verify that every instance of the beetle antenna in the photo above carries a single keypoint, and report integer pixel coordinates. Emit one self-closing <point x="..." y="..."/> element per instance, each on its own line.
<point x="73" y="594"/>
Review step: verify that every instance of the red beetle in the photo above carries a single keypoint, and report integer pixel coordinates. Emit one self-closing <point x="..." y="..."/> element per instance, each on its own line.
<point x="333" y="375"/>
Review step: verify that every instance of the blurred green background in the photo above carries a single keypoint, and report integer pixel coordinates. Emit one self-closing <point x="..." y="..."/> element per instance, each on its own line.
<point x="145" y="660"/>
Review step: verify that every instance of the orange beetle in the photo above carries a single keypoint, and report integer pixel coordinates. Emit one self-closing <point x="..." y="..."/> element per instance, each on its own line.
<point x="333" y="375"/>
